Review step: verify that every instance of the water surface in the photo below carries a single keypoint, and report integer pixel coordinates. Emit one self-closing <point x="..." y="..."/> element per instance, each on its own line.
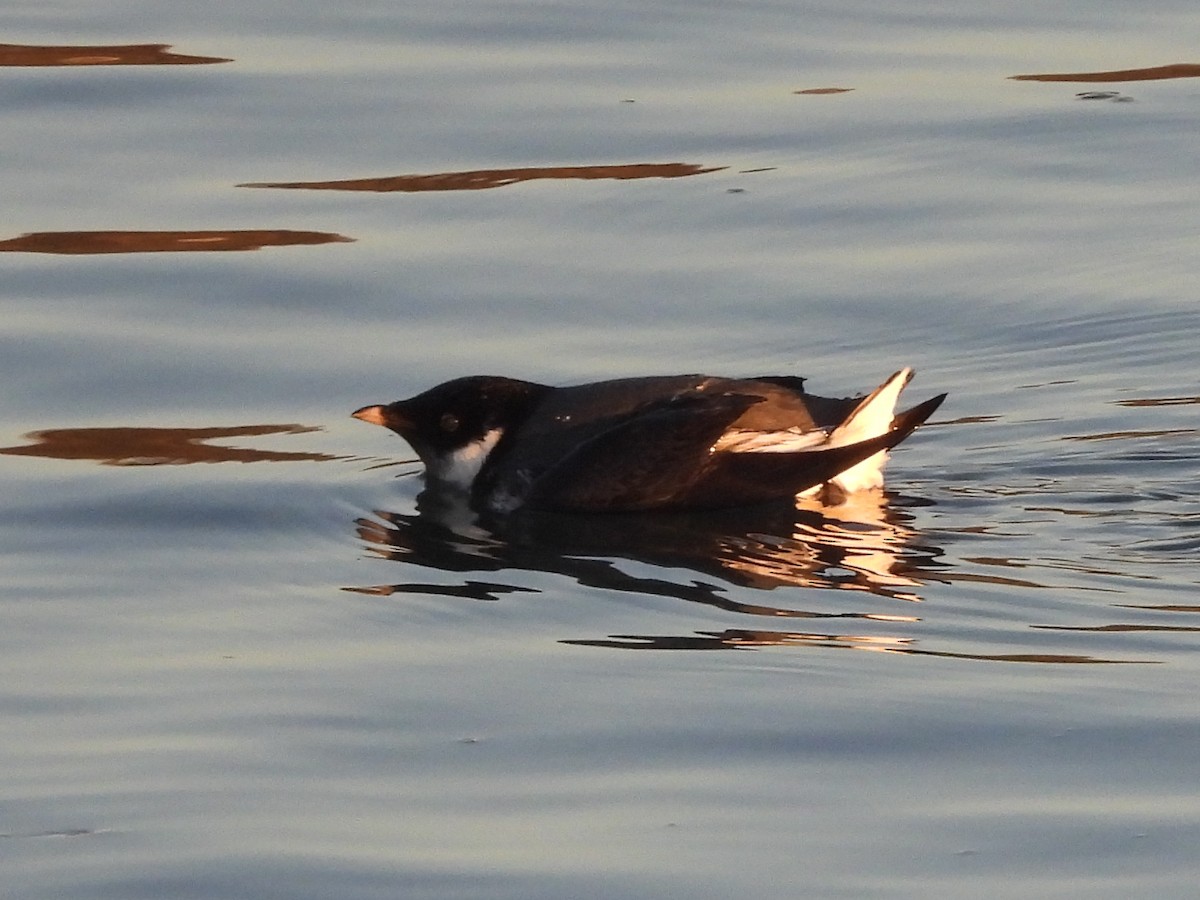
<point x="244" y="658"/>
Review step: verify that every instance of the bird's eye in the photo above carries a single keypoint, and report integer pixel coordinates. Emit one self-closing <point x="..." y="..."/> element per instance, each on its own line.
<point x="449" y="422"/>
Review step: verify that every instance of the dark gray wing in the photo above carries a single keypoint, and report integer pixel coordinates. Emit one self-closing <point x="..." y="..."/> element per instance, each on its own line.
<point x="653" y="459"/>
<point x="660" y="458"/>
<point x="745" y="478"/>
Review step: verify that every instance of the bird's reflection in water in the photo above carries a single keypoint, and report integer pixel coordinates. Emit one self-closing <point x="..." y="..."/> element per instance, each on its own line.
<point x="864" y="544"/>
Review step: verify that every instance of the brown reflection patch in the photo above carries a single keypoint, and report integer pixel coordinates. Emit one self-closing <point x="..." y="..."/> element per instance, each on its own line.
<point x="1169" y="607"/>
<point x="115" y="55"/>
<point x="1118" y="627"/>
<point x="483" y="179"/>
<point x="1159" y="401"/>
<point x="72" y="242"/>
<point x="828" y="90"/>
<point x="1042" y="384"/>
<point x="159" y="446"/>
<point x="1049" y="658"/>
<point x="1155" y="73"/>
<point x="1127" y="435"/>
<point x="967" y="420"/>
<point x="468" y="590"/>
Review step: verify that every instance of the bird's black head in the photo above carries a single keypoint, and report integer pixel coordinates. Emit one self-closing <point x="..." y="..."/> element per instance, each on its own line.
<point x="455" y="425"/>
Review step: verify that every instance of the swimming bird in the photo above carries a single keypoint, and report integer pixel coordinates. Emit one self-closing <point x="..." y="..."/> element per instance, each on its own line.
<point x="653" y="443"/>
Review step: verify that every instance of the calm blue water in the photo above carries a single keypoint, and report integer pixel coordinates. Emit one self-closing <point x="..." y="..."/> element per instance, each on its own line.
<point x="238" y="663"/>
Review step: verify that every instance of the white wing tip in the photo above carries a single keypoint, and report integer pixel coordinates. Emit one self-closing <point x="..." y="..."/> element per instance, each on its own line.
<point x="871" y="418"/>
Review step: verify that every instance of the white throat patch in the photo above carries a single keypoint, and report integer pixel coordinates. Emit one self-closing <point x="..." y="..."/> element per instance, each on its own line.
<point x="460" y="468"/>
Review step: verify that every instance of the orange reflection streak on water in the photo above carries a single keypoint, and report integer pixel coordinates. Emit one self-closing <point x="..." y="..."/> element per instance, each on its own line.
<point x="1155" y="73"/>
<point x="484" y="179"/>
<point x="1127" y="435"/>
<point x="1051" y="658"/>
<point x="79" y="242"/>
<point x="1159" y="401"/>
<point x="1166" y="607"/>
<point x="1186" y="629"/>
<point x="115" y="55"/>
<point x="160" y="446"/>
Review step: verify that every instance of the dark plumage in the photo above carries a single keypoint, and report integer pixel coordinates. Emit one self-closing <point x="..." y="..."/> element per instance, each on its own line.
<point x="674" y="442"/>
